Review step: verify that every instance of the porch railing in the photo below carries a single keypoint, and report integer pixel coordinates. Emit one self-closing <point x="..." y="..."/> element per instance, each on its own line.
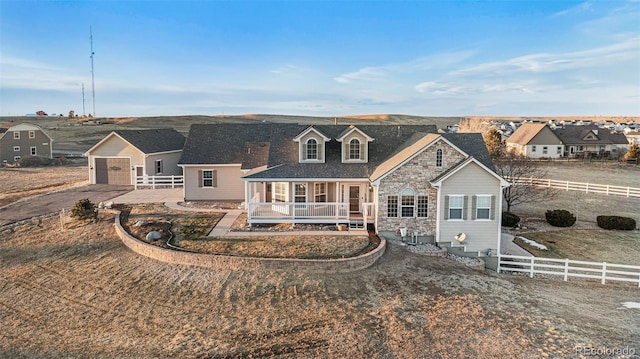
<point x="158" y="182"/>
<point x="293" y="212"/>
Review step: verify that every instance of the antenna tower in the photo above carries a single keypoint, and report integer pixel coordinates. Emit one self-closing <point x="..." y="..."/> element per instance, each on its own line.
<point x="83" y="112"/>
<point x="93" y="84"/>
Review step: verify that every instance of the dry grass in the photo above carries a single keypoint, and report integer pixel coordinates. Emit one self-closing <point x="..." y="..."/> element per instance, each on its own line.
<point x="18" y="183"/>
<point x="274" y="246"/>
<point x="597" y="245"/>
<point x="82" y="293"/>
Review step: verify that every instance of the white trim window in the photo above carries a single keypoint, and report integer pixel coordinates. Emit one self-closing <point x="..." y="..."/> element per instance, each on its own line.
<point x="422" y="207"/>
<point x="408" y="200"/>
<point x="483" y="207"/>
<point x="16" y="135"/>
<point x="439" y="157"/>
<point x="280" y="191"/>
<point x="354" y="149"/>
<point x="559" y="150"/>
<point x="159" y="167"/>
<point x="300" y="193"/>
<point x="454" y="207"/>
<point x="545" y="150"/>
<point x="32" y="134"/>
<point x="392" y="206"/>
<point x="208" y="178"/>
<point x="16" y="158"/>
<point x="533" y="148"/>
<point x="320" y="192"/>
<point x="33" y="151"/>
<point x="16" y="148"/>
<point x="312" y="149"/>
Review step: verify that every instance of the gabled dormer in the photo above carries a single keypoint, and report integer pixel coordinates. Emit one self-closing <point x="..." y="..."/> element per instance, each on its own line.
<point x="591" y="136"/>
<point x="355" y="145"/>
<point x="311" y="145"/>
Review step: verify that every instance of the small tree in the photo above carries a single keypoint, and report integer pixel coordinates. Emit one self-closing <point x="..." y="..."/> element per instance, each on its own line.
<point x="495" y="145"/>
<point x="517" y="169"/>
<point x="84" y="209"/>
<point x="72" y="114"/>
<point x="634" y="152"/>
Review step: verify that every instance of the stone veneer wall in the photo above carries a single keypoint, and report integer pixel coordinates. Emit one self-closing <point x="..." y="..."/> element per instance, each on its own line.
<point x="415" y="174"/>
<point x="244" y="263"/>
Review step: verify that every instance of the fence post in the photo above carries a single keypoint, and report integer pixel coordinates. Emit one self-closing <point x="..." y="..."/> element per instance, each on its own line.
<point x="500" y="263"/>
<point x="531" y="269"/>
<point x="607" y="190"/>
<point x="587" y="188"/>
<point x="566" y="269"/>
<point x="628" y="189"/>
<point x="604" y="272"/>
<point x="567" y="186"/>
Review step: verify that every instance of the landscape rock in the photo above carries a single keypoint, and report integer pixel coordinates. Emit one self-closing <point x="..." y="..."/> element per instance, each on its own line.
<point x="141" y="223"/>
<point x="153" y="235"/>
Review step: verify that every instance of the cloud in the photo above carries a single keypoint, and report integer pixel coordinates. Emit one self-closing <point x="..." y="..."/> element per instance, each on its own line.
<point x="580" y="8"/>
<point x="373" y="73"/>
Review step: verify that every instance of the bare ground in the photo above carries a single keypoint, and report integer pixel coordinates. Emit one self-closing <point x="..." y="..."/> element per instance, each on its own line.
<point x="19" y="183"/>
<point x="82" y="293"/>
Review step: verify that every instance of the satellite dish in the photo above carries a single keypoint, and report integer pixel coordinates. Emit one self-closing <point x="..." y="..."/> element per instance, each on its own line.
<point x="461" y="237"/>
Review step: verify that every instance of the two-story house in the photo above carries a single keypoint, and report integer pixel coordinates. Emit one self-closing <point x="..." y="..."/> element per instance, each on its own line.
<point x="383" y="176"/>
<point x="24" y="140"/>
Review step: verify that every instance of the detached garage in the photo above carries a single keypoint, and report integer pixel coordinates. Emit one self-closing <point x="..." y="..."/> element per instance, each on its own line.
<point x="124" y="154"/>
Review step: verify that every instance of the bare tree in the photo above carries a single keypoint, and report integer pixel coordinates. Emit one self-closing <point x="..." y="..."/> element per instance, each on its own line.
<point x="519" y="170"/>
<point x="494" y="142"/>
<point x="473" y="125"/>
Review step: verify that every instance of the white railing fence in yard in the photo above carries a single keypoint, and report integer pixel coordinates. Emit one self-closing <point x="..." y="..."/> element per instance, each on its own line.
<point x="580" y="186"/>
<point x="569" y="268"/>
<point x="158" y="182"/>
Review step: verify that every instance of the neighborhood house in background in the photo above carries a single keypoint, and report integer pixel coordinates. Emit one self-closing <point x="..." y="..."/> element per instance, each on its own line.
<point x="24" y="140"/>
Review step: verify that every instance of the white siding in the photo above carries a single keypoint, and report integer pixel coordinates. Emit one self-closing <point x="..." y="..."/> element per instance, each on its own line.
<point x="469" y="181"/>
<point x="229" y="185"/>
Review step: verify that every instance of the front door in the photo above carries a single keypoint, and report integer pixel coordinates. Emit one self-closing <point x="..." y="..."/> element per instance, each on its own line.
<point x="354" y="199"/>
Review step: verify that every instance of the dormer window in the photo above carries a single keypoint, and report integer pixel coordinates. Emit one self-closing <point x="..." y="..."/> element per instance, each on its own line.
<point x="354" y="150"/>
<point x="312" y="149"/>
<point x="355" y="145"/>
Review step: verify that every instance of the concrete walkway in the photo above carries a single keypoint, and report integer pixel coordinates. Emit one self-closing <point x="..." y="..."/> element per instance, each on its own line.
<point x="508" y="247"/>
<point x="151" y="196"/>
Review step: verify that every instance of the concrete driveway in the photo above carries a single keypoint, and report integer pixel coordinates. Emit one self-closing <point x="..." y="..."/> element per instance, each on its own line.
<point x="55" y="201"/>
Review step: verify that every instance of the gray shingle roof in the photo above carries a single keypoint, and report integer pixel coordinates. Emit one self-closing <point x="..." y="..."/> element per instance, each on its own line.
<point x="574" y="135"/>
<point x="228" y="143"/>
<point x="153" y="141"/>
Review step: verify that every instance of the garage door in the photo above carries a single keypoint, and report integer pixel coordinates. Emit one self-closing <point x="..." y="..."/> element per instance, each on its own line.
<point x="113" y="171"/>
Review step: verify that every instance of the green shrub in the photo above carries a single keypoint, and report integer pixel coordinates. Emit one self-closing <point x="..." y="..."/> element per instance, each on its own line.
<point x="84" y="209"/>
<point x="616" y="222"/>
<point x="560" y="218"/>
<point x="509" y="219"/>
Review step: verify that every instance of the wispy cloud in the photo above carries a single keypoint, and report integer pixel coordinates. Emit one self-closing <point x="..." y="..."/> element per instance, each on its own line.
<point x="580" y="8"/>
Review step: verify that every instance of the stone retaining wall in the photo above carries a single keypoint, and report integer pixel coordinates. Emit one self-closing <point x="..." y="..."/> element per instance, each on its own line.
<point x="243" y="263"/>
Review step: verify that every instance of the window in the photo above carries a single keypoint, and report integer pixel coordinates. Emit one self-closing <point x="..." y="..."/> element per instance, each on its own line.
<point x="16" y="148"/>
<point x="439" y="157"/>
<point x="300" y="193"/>
<point x="483" y="207"/>
<point x="16" y="135"/>
<point x="208" y="178"/>
<point x="456" y="207"/>
<point x="544" y="150"/>
<point x="280" y="191"/>
<point x="533" y="148"/>
<point x="320" y="192"/>
<point x="408" y="203"/>
<point x="158" y="166"/>
<point x="423" y="206"/>
<point x="392" y="206"/>
<point x="312" y="149"/>
<point x="16" y="158"/>
<point x="32" y="134"/>
<point x="354" y="149"/>
<point x="33" y="151"/>
<point x="559" y="150"/>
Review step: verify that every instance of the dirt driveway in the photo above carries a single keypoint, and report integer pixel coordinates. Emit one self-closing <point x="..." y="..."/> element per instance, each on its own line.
<point x="55" y="201"/>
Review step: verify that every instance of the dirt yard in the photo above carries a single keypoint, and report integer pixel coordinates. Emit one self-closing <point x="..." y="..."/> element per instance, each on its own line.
<point x="82" y="293"/>
<point x="17" y="183"/>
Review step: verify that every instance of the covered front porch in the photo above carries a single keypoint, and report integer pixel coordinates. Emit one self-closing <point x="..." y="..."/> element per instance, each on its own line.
<point x="339" y="202"/>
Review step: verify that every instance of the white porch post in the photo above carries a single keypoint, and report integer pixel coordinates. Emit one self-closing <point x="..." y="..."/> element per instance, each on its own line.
<point x="246" y="196"/>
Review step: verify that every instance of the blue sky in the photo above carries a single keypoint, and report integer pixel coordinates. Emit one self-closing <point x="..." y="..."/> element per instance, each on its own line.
<point x="325" y="58"/>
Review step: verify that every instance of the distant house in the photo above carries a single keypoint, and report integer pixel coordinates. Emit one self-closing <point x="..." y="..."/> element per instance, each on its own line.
<point x="535" y="140"/>
<point x="41" y="113"/>
<point x="385" y="177"/>
<point x="591" y="140"/>
<point x="633" y="138"/>
<point x="124" y="154"/>
<point x="24" y="140"/>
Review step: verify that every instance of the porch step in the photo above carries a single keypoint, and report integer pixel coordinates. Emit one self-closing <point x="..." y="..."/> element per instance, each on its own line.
<point x="356" y="224"/>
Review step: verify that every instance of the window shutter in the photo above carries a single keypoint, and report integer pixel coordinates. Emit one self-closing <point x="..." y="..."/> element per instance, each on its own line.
<point x="446" y="207"/>
<point x="362" y="150"/>
<point x="320" y="151"/>
<point x="493" y="208"/>
<point x="345" y="151"/>
<point x="474" y="207"/>
<point x="200" y="179"/>
<point x="304" y="150"/>
<point x="464" y="207"/>
<point x="214" y="179"/>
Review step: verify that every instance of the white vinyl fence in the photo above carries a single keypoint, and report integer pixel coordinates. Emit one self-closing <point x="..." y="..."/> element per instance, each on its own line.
<point x="579" y="186"/>
<point x="159" y="182"/>
<point x="569" y="268"/>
